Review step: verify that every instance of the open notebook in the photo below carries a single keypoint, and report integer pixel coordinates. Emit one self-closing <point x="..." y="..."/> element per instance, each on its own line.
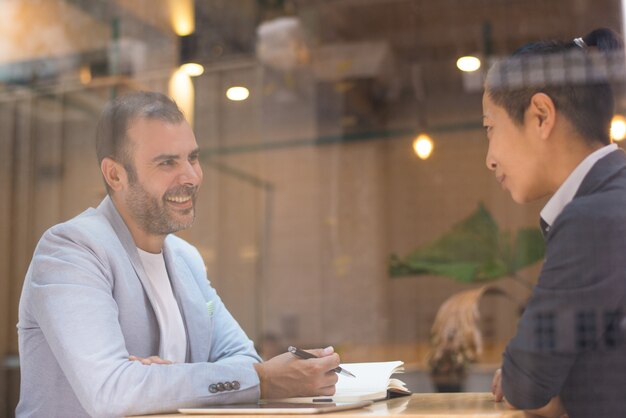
<point x="373" y="382"/>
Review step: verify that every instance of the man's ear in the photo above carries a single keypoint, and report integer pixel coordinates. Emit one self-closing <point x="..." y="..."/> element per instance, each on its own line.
<point x="542" y="114"/>
<point x="114" y="174"/>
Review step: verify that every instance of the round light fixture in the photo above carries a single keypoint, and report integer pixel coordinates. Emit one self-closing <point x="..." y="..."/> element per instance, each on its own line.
<point x="84" y="74"/>
<point x="618" y="128"/>
<point x="423" y="146"/>
<point x="468" y="64"/>
<point x="192" y="69"/>
<point x="237" y="94"/>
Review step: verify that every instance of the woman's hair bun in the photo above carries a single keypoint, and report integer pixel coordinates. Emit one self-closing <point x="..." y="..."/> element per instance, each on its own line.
<point x="604" y="39"/>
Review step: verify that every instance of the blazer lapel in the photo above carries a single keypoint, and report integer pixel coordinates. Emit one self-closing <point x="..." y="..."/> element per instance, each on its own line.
<point x="108" y="209"/>
<point x="193" y="306"/>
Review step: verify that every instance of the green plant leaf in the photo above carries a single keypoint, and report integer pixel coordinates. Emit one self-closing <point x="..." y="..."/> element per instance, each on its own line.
<point x="474" y="250"/>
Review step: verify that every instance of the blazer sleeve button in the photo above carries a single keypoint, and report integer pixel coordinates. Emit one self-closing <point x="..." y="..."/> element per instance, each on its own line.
<point x="236" y="385"/>
<point x="228" y="386"/>
<point x="220" y="387"/>
<point x="213" y="388"/>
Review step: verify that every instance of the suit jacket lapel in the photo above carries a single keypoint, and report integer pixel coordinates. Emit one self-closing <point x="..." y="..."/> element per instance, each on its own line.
<point x="108" y="209"/>
<point x="193" y="306"/>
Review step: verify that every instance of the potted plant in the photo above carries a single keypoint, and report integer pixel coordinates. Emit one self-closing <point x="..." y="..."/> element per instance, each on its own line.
<point x="473" y="251"/>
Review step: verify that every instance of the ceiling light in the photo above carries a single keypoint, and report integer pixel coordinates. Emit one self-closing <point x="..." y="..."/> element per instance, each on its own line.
<point x="84" y="74"/>
<point x="468" y="64"/>
<point x="182" y="16"/>
<point x="423" y="146"/>
<point x="192" y="69"/>
<point x="181" y="89"/>
<point x="188" y="55"/>
<point x="237" y="94"/>
<point x="618" y="128"/>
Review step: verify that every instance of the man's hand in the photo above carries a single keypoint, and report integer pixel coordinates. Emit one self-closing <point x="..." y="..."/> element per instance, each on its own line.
<point x="149" y="360"/>
<point x="286" y="376"/>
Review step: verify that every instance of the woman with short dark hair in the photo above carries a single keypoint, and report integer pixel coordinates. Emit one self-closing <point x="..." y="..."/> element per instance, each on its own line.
<point x="547" y="111"/>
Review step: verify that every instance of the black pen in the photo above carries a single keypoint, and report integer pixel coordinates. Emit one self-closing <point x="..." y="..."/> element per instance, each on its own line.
<point x="305" y="355"/>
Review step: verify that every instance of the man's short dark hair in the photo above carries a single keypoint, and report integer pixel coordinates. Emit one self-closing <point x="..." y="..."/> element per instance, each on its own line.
<point x="116" y="118"/>
<point x="576" y="75"/>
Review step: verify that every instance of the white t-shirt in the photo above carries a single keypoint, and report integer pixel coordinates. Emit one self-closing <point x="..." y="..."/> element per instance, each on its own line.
<point x="173" y="337"/>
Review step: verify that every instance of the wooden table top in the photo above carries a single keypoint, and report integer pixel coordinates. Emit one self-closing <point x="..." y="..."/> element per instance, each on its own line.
<point x="419" y="405"/>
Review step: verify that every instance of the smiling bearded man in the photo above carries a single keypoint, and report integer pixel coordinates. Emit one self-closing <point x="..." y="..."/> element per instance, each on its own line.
<point x="117" y="316"/>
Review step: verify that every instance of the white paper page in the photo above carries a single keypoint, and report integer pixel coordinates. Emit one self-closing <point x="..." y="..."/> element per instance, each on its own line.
<point x="370" y="377"/>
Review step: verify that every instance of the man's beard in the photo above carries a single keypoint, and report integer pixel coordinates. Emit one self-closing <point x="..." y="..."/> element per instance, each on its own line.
<point x="154" y="216"/>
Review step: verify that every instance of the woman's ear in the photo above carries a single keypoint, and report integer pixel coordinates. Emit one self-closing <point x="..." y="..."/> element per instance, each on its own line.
<point x="114" y="174"/>
<point x="542" y="114"/>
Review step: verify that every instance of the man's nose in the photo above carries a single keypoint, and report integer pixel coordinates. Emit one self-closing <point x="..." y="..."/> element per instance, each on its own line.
<point x="191" y="173"/>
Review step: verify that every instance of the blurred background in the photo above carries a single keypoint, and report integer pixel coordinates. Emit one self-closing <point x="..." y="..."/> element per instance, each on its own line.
<point x="345" y="195"/>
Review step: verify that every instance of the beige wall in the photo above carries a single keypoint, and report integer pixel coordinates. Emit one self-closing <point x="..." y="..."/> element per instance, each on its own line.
<point x="338" y="211"/>
<point x="296" y="239"/>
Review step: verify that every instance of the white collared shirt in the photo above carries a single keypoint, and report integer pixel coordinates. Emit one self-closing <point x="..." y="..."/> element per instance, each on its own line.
<point x="173" y="345"/>
<point x="570" y="186"/>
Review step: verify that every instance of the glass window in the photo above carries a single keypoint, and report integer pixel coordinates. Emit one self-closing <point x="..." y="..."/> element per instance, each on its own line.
<point x="345" y="194"/>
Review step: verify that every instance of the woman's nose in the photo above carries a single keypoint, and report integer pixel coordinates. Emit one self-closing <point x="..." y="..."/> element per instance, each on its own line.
<point x="490" y="163"/>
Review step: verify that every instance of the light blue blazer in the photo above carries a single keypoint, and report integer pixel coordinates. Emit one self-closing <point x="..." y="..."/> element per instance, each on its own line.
<point x="85" y="308"/>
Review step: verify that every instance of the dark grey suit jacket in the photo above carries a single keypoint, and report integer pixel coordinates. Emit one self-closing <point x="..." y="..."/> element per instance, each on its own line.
<point x="571" y="337"/>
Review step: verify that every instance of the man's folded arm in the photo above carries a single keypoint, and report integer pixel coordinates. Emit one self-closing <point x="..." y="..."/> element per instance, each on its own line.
<point x="71" y="299"/>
